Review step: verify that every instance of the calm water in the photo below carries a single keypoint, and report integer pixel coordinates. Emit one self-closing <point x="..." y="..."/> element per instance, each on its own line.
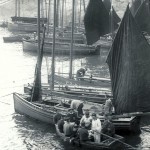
<point x="18" y="132"/>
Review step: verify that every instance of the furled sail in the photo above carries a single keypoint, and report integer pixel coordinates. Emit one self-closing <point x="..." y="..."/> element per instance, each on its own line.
<point x="142" y="16"/>
<point x="36" y="91"/>
<point x="96" y="21"/>
<point x="129" y="66"/>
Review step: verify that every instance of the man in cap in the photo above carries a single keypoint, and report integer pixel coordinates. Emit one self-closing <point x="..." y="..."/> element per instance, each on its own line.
<point x="87" y="119"/>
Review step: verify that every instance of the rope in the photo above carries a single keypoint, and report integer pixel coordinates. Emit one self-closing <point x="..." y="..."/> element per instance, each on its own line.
<point x="5" y="96"/>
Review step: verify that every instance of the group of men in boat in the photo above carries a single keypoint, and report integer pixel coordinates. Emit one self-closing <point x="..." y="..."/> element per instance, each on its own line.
<point x="85" y="126"/>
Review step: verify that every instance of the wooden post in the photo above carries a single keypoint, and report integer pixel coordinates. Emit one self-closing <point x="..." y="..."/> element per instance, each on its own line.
<point x="72" y="39"/>
<point x="53" y="51"/>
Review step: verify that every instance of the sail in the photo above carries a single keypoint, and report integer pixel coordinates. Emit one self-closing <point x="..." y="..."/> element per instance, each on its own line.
<point x="135" y="5"/>
<point x="129" y="66"/>
<point x="107" y="4"/>
<point x="142" y="16"/>
<point x="36" y="91"/>
<point x="96" y="21"/>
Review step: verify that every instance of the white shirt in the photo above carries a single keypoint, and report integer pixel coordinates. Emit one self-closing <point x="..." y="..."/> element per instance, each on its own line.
<point x="96" y="125"/>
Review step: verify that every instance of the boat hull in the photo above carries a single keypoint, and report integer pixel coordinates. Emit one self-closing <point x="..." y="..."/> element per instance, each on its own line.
<point x="60" y="48"/>
<point x="108" y="144"/>
<point x="27" y="108"/>
<point x="22" y="27"/>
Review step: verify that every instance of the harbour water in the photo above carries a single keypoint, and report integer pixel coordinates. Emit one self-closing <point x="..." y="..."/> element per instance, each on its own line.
<point x="17" y="69"/>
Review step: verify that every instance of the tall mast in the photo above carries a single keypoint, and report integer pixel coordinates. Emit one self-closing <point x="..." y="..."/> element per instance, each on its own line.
<point x="112" y="20"/>
<point x="84" y="5"/>
<point x="48" y="16"/>
<point x="62" y="17"/>
<point x="16" y="7"/>
<point x="72" y="39"/>
<point x="80" y="15"/>
<point x="38" y="24"/>
<point x="53" y="51"/>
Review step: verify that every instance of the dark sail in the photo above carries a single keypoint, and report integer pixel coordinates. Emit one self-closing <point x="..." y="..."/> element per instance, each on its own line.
<point x="135" y="5"/>
<point x="142" y="16"/>
<point x="36" y="91"/>
<point x="129" y="65"/>
<point x="107" y="4"/>
<point x="96" y="21"/>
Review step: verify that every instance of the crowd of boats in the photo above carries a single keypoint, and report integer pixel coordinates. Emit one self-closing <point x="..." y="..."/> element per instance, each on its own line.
<point x="129" y="51"/>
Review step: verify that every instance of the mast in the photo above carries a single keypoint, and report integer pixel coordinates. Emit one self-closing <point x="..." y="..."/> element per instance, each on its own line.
<point x="112" y="20"/>
<point x="48" y="16"/>
<point x="57" y="13"/>
<point x="62" y="17"/>
<point x="16" y="7"/>
<point x="84" y="5"/>
<point x="80" y="15"/>
<point x="72" y="33"/>
<point x="39" y="53"/>
<point x="53" y="51"/>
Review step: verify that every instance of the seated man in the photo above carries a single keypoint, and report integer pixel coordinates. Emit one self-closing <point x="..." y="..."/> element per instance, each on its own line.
<point x="83" y="133"/>
<point x="72" y="115"/>
<point x="68" y="127"/>
<point x="81" y="72"/>
<point x="87" y="119"/>
<point x="60" y="124"/>
<point x="108" y="127"/>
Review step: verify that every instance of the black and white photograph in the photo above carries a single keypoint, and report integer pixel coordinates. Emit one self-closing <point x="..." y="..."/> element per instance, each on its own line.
<point x="75" y="74"/>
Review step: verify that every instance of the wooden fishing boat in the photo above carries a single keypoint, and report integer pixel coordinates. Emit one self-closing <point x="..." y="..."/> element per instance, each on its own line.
<point x="22" y="27"/>
<point x="61" y="48"/>
<point x="83" y="81"/>
<point x="108" y="144"/>
<point x="15" y="38"/>
<point x="130" y="85"/>
<point x="34" y="110"/>
<point x="96" y="97"/>
<point x="27" y="19"/>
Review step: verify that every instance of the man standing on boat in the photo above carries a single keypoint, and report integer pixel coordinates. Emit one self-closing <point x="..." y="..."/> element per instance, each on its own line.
<point x="80" y="73"/>
<point x="108" y="107"/>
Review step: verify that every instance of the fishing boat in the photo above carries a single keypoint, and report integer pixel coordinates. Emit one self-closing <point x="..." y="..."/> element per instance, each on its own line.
<point x="27" y="19"/>
<point x="22" y="27"/>
<point x="15" y="38"/>
<point x="85" y="81"/>
<point x="61" y="48"/>
<point x="128" y="62"/>
<point x="108" y="144"/>
<point x="39" y="106"/>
